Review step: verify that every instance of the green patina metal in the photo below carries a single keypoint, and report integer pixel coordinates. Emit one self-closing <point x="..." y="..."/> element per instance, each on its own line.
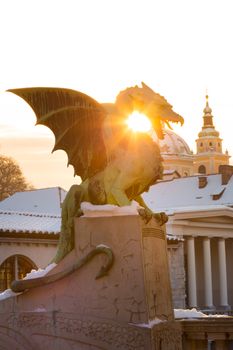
<point x="115" y="164"/>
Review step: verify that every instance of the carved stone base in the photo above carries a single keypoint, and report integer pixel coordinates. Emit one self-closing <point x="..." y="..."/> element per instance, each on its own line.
<point x="58" y="331"/>
<point x="129" y="308"/>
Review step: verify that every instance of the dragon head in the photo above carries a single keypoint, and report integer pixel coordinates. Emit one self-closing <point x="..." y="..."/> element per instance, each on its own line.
<point x="154" y="106"/>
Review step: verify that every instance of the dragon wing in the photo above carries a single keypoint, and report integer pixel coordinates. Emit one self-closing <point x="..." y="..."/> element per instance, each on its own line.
<point x="77" y="123"/>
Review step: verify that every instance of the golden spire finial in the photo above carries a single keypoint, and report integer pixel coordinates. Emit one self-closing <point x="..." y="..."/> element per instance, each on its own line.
<point x="208" y="118"/>
<point x="206" y="96"/>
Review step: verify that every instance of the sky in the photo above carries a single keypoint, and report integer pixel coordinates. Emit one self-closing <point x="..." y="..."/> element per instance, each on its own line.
<point x="180" y="48"/>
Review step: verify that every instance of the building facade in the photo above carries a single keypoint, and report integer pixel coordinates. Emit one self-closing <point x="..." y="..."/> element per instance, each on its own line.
<point x="200" y="211"/>
<point x="29" y="231"/>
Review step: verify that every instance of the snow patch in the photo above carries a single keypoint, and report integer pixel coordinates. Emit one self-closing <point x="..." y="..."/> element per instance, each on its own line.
<point x="102" y="246"/>
<point x="7" y="294"/>
<point x="193" y="313"/>
<point x="92" y="210"/>
<point x="40" y="309"/>
<point x="40" y="272"/>
<point x="150" y="324"/>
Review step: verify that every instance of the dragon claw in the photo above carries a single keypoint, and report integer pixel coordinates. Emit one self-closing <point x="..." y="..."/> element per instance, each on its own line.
<point x="146" y="214"/>
<point x="161" y="218"/>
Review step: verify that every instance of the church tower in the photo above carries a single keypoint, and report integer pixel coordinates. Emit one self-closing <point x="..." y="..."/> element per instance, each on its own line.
<point x="209" y="154"/>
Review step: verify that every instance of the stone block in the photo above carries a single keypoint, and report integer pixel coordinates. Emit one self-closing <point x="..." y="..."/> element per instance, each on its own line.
<point x="129" y="308"/>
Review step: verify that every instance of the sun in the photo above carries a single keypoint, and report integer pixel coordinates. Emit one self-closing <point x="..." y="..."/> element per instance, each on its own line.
<point x="138" y="122"/>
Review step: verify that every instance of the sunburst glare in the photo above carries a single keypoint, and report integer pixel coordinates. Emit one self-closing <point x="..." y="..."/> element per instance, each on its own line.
<point x="138" y="122"/>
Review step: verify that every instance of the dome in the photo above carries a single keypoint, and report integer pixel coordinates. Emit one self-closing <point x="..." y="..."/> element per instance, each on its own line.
<point x="207" y="110"/>
<point x="173" y="144"/>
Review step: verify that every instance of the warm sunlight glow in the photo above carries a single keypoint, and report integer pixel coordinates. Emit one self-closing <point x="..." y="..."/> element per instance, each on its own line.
<point x="138" y="122"/>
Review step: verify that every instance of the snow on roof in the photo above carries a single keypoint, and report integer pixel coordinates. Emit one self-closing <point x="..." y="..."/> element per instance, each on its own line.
<point x="171" y="237"/>
<point x="202" y="208"/>
<point x="29" y="222"/>
<point x="45" y="200"/>
<point x="185" y="192"/>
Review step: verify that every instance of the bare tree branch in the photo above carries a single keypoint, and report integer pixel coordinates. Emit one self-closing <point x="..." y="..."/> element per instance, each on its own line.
<point x="11" y="178"/>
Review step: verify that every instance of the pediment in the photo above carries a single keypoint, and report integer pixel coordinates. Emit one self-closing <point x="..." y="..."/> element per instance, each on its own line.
<point x="220" y="214"/>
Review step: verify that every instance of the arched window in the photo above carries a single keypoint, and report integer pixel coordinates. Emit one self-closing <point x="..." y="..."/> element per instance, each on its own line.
<point x="202" y="169"/>
<point x="14" y="267"/>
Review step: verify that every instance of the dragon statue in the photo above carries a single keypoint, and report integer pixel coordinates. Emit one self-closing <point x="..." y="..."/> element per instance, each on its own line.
<point x="116" y="165"/>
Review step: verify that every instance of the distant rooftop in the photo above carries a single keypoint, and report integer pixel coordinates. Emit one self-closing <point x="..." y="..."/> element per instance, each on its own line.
<point x="187" y="192"/>
<point x="11" y="221"/>
<point x="46" y="200"/>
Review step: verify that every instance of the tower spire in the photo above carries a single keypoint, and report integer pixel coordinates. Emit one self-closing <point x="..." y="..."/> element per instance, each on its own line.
<point x="209" y="145"/>
<point x="207" y="117"/>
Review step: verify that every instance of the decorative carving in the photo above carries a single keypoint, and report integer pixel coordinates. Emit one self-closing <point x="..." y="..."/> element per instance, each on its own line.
<point x="153" y="232"/>
<point x="112" y="335"/>
<point x="10" y="339"/>
<point x="167" y="336"/>
<point x="135" y="310"/>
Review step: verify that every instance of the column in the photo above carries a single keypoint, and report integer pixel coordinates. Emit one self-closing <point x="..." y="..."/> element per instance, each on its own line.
<point x="207" y="273"/>
<point x="16" y="267"/>
<point x="192" y="281"/>
<point x="222" y="272"/>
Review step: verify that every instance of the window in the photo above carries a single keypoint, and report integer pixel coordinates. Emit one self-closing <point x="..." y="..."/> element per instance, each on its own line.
<point x="14" y="267"/>
<point x="202" y="169"/>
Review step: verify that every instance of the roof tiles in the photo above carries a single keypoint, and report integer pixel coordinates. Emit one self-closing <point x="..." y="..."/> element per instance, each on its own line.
<point x="29" y="222"/>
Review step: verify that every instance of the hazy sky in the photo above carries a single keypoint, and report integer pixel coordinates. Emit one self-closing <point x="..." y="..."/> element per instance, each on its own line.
<point x="179" y="48"/>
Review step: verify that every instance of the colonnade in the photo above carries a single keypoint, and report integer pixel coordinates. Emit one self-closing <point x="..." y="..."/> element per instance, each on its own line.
<point x="207" y="273"/>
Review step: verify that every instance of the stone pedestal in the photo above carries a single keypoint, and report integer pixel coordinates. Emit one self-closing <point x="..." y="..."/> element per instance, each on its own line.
<point x="129" y="308"/>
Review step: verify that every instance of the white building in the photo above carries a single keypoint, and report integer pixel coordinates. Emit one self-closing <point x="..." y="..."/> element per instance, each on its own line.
<point x="200" y="216"/>
<point x="29" y="230"/>
<point x="200" y="210"/>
